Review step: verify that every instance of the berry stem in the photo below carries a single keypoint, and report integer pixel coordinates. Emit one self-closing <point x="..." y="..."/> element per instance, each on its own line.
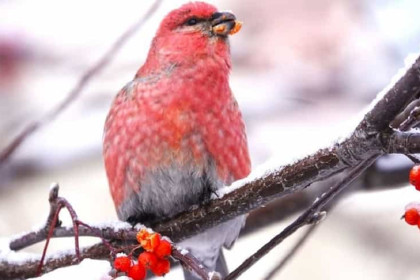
<point x="413" y="158"/>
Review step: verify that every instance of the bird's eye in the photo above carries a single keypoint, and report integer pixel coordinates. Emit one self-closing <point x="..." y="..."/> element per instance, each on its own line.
<point x="192" y="21"/>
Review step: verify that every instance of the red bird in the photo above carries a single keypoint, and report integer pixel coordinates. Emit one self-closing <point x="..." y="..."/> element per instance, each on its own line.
<point x="174" y="134"/>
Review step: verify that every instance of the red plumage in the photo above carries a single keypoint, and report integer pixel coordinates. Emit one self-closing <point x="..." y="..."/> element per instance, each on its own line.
<point x="177" y="118"/>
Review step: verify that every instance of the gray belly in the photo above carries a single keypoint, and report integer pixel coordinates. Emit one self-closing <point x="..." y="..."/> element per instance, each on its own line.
<point x="167" y="191"/>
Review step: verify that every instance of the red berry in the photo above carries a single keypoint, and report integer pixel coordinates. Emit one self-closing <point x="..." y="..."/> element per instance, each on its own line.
<point x="164" y="249"/>
<point x="148" y="259"/>
<point x="411" y="216"/>
<point x="414" y="176"/>
<point x="122" y="263"/>
<point x="151" y="243"/>
<point x="142" y="235"/>
<point x="162" y="267"/>
<point x="137" y="272"/>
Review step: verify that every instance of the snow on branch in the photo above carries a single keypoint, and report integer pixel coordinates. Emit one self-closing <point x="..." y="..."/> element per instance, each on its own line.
<point x="371" y="138"/>
<point x="117" y="233"/>
<point x="28" y="267"/>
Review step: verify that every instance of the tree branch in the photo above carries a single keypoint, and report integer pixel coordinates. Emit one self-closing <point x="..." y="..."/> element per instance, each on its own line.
<point x="107" y="232"/>
<point x="367" y="140"/>
<point x="75" y="92"/>
<point x="399" y="142"/>
<point x="193" y="264"/>
<point x="46" y="232"/>
<point x="372" y="138"/>
<point x="310" y="216"/>
<point x="29" y="268"/>
<point x="291" y="253"/>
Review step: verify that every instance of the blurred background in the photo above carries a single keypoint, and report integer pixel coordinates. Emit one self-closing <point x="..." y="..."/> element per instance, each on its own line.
<point x="303" y="71"/>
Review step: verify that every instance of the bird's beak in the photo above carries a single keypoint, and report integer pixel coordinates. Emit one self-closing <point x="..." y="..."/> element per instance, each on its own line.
<point x="224" y="23"/>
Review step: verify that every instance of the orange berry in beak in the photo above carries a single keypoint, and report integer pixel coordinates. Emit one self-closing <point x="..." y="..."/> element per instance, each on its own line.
<point x="219" y="29"/>
<point x="236" y="27"/>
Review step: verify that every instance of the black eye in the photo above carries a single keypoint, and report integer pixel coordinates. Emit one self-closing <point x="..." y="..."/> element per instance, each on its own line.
<point x="192" y="21"/>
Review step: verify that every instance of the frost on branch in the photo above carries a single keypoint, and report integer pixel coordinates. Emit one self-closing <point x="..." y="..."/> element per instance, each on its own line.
<point x="371" y="138"/>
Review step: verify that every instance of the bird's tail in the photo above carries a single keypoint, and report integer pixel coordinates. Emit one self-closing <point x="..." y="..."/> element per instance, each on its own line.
<point x="207" y="246"/>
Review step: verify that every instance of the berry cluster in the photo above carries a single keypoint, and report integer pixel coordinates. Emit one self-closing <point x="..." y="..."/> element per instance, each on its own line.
<point x="125" y="264"/>
<point x="154" y="258"/>
<point x="157" y="250"/>
<point x="412" y="210"/>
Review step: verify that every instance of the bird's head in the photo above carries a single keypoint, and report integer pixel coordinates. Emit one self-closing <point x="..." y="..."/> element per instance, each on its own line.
<point x="198" y="19"/>
<point x="193" y="31"/>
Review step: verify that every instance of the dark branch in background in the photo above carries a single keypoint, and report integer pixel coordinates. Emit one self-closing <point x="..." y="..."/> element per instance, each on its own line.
<point x="310" y="216"/>
<point x="327" y="208"/>
<point x="270" y="214"/>
<point x="75" y="92"/>
<point x="413" y="159"/>
<point x="372" y="138"/>
<point x="291" y="253"/>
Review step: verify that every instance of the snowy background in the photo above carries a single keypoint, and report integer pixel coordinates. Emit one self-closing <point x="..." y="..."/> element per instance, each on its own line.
<point x="302" y="71"/>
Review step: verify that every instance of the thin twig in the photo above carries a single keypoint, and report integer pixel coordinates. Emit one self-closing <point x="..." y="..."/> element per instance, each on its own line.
<point x="372" y="137"/>
<point x="107" y="232"/>
<point x="48" y="238"/>
<point x="97" y="233"/>
<point x="56" y="204"/>
<point x="308" y="217"/>
<point x="75" y="92"/>
<point x="191" y="263"/>
<point x="413" y="158"/>
<point x="291" y="253"/>
<point x="407" y="118"/>
<point x="298" y="244"/>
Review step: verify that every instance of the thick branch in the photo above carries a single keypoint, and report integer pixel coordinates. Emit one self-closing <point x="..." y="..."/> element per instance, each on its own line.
<point x="26" y="269"/>
<point x="402" y="142"/>
<point x="109" y="233"/>
<point x="254" y="194"/>
<point x="364" y="142"/>
<point x="372" y="137"/>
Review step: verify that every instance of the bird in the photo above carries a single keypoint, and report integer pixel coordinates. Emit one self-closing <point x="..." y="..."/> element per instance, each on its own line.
<point x="174" y="135"/>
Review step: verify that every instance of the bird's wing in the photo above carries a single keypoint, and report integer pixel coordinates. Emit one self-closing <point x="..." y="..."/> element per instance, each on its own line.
<point x="226" y="141"/>
<point x="131" y="134"/>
